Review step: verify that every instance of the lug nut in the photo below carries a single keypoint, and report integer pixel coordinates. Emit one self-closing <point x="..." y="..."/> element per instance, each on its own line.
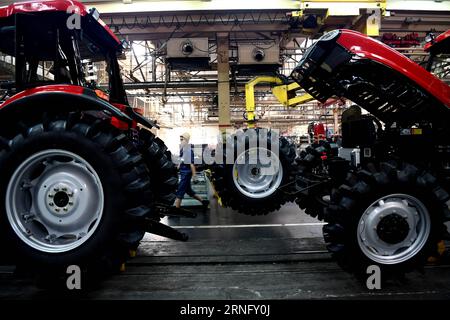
<point x="56" y="189"/>
<point x="51" y="204"/>
<point x="64" y="189"/>
<point x="50" y="195"/>
<point x="70" y="203"/>
<point x="65" y="209"/>
<point x="57" y="210"/>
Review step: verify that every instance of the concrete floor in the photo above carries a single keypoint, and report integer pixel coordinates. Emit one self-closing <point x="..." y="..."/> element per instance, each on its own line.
<point x="233" y="256"/>
<point x="224" y="223"/>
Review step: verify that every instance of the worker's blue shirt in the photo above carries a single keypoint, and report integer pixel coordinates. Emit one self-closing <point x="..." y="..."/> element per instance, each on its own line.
<point x="187" y="158"/>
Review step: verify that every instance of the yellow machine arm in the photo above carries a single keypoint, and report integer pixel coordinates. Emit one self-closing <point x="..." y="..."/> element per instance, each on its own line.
<point x="285" y="93"/>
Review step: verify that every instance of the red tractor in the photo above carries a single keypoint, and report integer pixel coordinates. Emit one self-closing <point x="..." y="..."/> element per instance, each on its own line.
<point x="82" y="177"/>
<point x="388" y="202"/>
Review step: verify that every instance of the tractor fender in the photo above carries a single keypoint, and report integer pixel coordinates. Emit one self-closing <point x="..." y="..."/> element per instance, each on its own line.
<point x="57" y="98"/>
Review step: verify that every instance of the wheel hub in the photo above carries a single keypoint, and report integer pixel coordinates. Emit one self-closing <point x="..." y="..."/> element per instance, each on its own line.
<point x="394" y="229"/>
<point x="257" y="177"/>
<point x="255" y="171"/>
<point x="54" y="201"/>
<point x="60" y="198"/>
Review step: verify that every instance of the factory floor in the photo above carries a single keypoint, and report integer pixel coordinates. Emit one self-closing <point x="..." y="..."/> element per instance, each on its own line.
<point x="233" y="256"/>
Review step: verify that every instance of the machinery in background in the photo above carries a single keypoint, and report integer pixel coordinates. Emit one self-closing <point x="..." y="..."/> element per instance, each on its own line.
<point x="255" y="58"/>
<point x="188" y="54"/>
<point x="438" y="61"/>
<point x="406" y="41"/>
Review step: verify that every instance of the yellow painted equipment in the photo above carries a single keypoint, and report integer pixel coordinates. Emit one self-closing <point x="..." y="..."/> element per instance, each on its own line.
<point x="285" y="93"/>
<point x="369" y="23"/>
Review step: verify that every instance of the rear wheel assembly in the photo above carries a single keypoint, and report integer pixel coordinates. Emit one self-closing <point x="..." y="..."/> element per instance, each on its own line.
<point x="390" y="214"/>
<point x="76" y="191"/>
<point x="162" y="170"/>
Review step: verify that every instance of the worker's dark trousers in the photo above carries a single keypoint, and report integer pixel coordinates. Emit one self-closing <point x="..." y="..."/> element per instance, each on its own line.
<point x="185" y="185"/>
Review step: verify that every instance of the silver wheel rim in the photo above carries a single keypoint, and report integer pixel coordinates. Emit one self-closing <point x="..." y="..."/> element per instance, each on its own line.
<point x="54" y="201"/>
<point x="254" y="178"/>
<point x="399" y="209"/>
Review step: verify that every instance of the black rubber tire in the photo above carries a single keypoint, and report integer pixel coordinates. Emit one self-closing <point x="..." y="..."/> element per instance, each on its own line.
<point x="163" y="171"/>
<point x="222" y="177"/>
<point x="126" y="187"/>
<point x="310" y="163"/>
<point x="363" y="187"/>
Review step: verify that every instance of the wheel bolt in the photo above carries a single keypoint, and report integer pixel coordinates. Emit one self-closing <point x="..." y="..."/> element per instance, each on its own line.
<point x="50" y="195"/>
<point x="70" y="203"/>
<point x="56" y="189"/>
<point x="65" y="209"/>
<point x="64" y="189"/>
<point x="57" y="210"/>
<point x="51" y="204"/>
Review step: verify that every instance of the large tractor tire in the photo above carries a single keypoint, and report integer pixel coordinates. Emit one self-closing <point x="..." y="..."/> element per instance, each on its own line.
<point x="389" y="214"/>
<point x="312" y="170"/>
<point x="163" y="171"/>
<point x="74" y="191"/>
<point x="244" y="186"/>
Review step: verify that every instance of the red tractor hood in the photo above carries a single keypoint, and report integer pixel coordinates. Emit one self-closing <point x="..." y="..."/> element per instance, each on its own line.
<point x="366" y="47"/>
<point x="39" y="6"/>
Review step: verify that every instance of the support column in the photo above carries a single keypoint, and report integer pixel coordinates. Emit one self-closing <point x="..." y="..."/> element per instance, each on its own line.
<point x="336" y="121"/>
<point x="223" y="75"/>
